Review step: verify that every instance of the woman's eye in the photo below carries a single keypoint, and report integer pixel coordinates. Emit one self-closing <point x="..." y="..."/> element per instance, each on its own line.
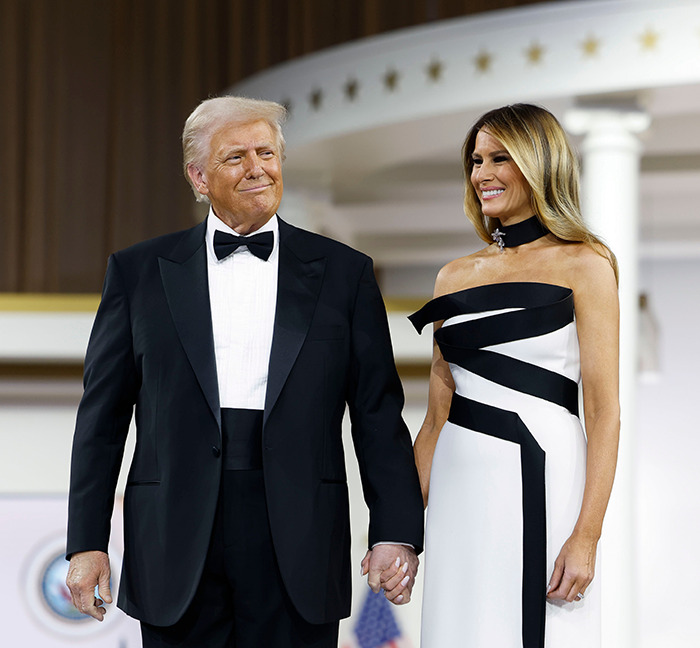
<point x="500" y="158"/>
<point x="476" y="161"/>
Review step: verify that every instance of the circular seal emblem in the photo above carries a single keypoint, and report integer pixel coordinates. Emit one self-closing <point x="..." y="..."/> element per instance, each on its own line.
<point x="48" y="597"/>
<point x="55" y="591"/>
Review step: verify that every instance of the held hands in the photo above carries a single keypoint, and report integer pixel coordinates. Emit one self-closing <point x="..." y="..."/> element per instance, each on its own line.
<point x="392" y="568"/>
<point x="574" y="569"/>
<point x="89" y="569"/>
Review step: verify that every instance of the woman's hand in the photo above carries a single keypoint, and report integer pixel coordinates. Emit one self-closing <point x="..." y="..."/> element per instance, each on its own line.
<point x="574" y="569"/>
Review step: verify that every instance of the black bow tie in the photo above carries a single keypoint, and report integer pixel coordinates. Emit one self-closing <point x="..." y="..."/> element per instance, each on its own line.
<point x="258" y="244"/>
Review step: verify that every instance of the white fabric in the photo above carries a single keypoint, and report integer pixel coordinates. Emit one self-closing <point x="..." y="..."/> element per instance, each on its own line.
<point x="473" y="563"/>
<point x="243" y="298"/>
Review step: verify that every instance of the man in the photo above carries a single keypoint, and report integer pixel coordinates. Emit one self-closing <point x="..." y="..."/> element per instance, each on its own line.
<point x="240" y="356"/>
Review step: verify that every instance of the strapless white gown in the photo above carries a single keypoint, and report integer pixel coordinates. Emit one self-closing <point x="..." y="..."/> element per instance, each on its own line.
<point x="508" y="472"/>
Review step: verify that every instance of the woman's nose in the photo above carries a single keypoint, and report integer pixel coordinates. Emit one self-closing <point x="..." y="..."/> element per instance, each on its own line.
<point x="484" y="171"/>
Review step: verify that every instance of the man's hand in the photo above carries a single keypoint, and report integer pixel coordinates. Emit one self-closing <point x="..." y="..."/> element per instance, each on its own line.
<point x="88" y="569"/>
<point x="392" y="568"/>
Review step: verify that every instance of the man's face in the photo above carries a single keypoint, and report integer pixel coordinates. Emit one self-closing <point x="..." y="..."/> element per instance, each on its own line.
<point x="243" y="175"/>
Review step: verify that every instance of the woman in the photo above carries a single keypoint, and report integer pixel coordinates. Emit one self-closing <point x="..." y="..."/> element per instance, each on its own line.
<point x="516" y="498"/>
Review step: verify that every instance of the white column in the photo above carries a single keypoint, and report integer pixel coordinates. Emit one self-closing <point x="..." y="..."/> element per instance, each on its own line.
<point x="610" y="195"/>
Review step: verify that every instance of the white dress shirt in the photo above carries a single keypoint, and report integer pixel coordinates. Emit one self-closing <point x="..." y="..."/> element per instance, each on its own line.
<point x="243" y="297"/>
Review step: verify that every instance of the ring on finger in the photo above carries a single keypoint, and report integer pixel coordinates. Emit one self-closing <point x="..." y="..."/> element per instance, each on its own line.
<point x="579" y="596"/>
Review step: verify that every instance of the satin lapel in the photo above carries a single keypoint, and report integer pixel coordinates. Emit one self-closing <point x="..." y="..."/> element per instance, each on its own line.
<point x="186" y="287"/>
<point x="298" y="286"/>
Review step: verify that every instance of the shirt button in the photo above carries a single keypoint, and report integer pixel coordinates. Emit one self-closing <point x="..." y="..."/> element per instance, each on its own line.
<point x="215" y="451"/>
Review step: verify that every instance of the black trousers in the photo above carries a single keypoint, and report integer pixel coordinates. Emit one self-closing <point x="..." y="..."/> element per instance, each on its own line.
<point x="241" y="601"/>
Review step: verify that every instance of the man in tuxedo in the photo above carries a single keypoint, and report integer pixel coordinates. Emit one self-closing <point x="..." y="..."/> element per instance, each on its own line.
<point x="240" y="342"/>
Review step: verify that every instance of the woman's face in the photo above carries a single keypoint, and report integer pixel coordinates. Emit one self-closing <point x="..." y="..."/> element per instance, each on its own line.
<point x="500" y="185"/>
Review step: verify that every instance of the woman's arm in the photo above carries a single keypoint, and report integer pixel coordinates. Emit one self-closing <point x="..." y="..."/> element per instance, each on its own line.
<point x="440" y="390"/>
<point x="597" y="321"/>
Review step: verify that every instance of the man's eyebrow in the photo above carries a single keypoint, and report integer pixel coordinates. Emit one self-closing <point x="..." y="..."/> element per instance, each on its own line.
<point x="225" y="151"/>
<point x="235" y="150"/>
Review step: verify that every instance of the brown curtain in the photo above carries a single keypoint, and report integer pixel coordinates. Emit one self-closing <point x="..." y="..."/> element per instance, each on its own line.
<point x="93" y="98"/>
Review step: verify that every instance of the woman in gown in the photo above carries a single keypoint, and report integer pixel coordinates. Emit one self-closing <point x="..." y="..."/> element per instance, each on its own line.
<point x="516" y="492"/>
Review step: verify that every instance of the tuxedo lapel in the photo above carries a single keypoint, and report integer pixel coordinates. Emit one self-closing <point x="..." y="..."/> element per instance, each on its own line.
<point x="186" y="285"/>
<point x="298" y="286"/>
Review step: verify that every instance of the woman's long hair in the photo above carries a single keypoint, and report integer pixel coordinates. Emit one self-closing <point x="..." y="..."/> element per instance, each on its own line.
<point x="538" y="145"/>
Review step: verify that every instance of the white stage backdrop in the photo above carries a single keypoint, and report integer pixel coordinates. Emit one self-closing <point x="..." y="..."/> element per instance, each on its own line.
<point x="35" y="603"/>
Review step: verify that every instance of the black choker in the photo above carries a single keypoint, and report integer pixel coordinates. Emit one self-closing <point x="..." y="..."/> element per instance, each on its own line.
<point x="523" y="232"/>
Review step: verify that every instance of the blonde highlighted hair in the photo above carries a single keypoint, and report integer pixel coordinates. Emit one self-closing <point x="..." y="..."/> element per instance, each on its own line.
<point x="212" y="114"/>
<point x="538" y="145"/>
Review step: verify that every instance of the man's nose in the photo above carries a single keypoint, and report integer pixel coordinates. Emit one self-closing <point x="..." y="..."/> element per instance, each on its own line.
<point x="253" y="166"/>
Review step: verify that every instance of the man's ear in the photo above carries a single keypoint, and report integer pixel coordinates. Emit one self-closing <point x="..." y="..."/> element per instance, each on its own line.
<point x="197" y="178"/>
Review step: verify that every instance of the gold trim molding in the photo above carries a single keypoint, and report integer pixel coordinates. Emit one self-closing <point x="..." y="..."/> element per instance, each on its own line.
<point x="49" y="302"/>
<point x="88" y="303"/>
<point x="409" y="370"/>
<point x="404" y="304"/>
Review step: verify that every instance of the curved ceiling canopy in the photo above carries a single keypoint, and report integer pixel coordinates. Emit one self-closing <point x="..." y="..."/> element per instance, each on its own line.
<point x="377" y="124"/>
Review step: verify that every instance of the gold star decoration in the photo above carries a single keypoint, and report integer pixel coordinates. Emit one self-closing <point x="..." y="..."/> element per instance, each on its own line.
<point x="434" y="70"/>
<point x="534" y="53"/>
<point x="352" y="87"/>
<point x="316" y="99"/>
<point x="391" y="80"/>
<point x="590" y="46"/>
<point x="483" y="61"/>
<point x="649" y="39"/>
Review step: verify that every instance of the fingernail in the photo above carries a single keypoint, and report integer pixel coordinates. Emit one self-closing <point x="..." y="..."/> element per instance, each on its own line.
<point x="398" y="561"/>
<point x="405" y="567"/>
<point x="399" y="598"/>
<point x="405" y="580"/>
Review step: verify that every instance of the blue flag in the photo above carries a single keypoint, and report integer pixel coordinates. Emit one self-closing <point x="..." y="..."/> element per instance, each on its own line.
<point x="376" y="627"/>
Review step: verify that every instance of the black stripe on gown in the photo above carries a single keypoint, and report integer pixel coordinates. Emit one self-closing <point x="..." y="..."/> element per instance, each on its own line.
<point x="508" y="426"/>
<point x="542" y="309"/>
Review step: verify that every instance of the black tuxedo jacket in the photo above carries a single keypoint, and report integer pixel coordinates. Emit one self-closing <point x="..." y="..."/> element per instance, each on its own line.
<point x="152" y="347"/>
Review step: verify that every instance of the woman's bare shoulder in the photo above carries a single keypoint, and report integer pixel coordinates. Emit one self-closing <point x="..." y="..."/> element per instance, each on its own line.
<point x="586" y="260"/>
<point x="458" y="274"/>
<point x="588" y="268"/>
